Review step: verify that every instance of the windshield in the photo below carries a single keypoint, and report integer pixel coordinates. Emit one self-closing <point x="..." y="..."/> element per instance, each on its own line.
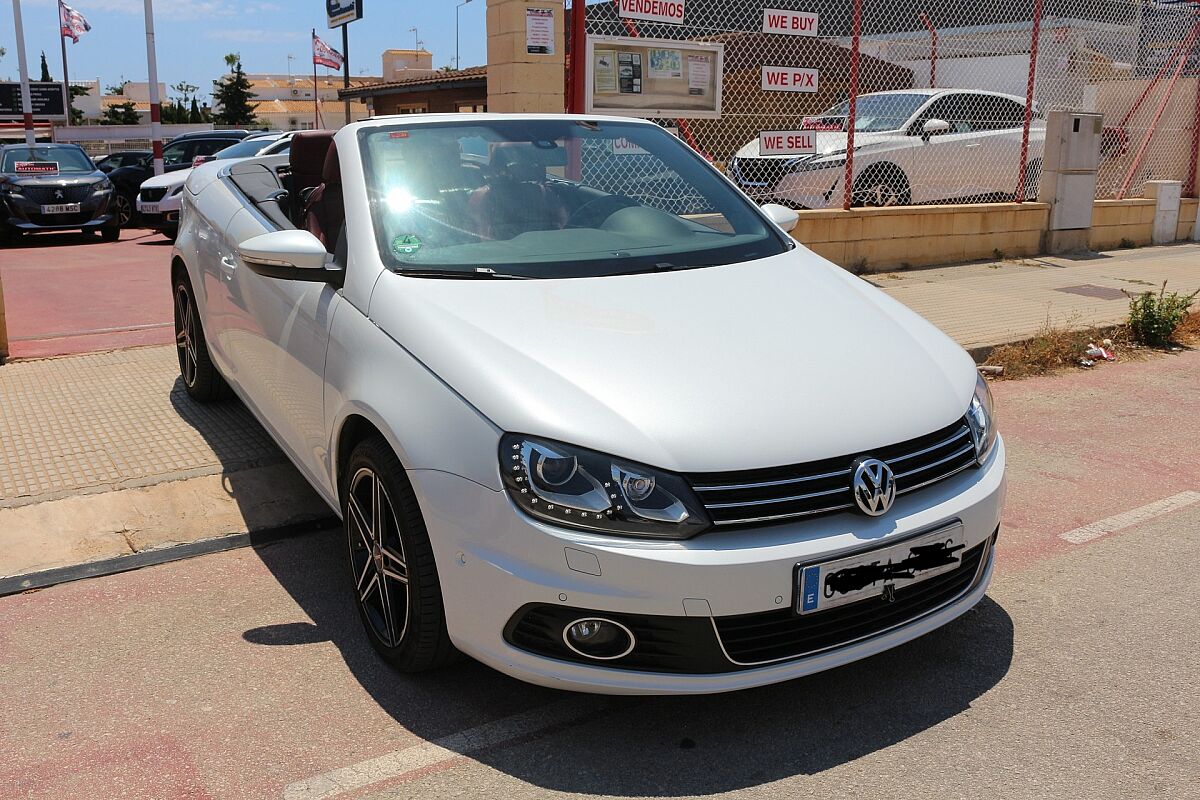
<point x="244" y="149"/>
<point x="552" y="199"/>
<point x="878" y="112"/>
<point x="69" y="159"/>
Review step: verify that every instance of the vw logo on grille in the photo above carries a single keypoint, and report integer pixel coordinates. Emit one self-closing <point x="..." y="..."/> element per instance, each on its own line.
<point x="874" y="486"/>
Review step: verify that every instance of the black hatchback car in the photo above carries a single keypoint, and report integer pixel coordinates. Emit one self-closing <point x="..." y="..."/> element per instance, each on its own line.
<point x="53" y="187"/>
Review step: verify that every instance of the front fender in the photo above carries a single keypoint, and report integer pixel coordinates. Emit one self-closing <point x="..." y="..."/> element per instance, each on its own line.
<point x="429" y="425"/>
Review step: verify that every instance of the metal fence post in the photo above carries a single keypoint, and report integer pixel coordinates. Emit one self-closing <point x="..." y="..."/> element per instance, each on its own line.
<point x="1033" y="56"/>
<point x="577" y="90"/>
<point x="933" y="36"/>
<point x="852" y="112"/>
<point x="3" y="326"/>
<point x="1189" y="187"/>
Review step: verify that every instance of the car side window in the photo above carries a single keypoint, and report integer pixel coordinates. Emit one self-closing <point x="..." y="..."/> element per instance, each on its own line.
<point x="206" y="147"/>
<point x="1005" y="113"/>
<point x="176" y="153"/>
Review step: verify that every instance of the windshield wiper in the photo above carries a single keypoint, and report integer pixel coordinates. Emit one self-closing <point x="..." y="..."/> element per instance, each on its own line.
<point x="479" y="273"/>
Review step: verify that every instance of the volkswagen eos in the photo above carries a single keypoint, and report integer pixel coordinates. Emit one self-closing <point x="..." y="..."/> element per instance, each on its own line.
<point x="596" y="421"/>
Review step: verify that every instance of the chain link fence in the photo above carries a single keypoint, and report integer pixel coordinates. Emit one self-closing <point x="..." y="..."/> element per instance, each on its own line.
<point x="894" y="102"/>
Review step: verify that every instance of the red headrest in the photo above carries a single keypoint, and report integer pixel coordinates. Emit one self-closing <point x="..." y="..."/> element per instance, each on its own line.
<point x="307" y="155"/>
<point x="331" y="175"/>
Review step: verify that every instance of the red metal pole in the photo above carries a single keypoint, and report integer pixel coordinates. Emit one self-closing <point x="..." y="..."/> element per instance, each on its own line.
<point x="932" y="49"/>
<point x="577" y="99"/>
<point x="852" y="114"/>
<point x="1033" y="54"/>
<point x="1150" y="130"/>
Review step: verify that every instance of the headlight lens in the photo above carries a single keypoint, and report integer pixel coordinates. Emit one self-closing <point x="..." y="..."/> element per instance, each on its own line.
<point x="813" y="165"/>
<point x="578" y="488"/>
<point x="102" y="187"/>
<point x="982" y="419"/>
<point x="177" y="190"/>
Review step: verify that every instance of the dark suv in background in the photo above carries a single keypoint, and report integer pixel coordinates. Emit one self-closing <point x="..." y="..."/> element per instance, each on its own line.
<point x="177" y="154"/>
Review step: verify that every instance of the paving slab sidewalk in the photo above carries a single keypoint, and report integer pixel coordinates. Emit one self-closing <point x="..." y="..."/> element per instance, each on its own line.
<point x="102" y="455"/>
<point x="987" y="304"/>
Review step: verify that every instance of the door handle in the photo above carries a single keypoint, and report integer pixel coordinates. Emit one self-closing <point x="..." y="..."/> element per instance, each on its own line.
<point x="228" y="266"/>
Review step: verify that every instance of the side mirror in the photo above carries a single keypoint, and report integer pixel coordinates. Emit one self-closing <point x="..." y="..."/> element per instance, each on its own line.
<point x="934" y="127"/>
<point x="293" y="255"/>
<point x="782" y="216"/>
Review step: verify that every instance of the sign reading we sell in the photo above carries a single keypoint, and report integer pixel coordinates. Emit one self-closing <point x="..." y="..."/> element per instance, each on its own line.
<point x="786" y="143"/>
<point x="790" y="79"/>
<point x="668" y="11"/>
<point x="792" y="23"/>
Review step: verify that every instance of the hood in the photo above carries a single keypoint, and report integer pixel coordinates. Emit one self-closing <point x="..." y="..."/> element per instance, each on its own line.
<point x="61" y="179"/>
<point x="828" y="143"/>
<point x="168" y="180"/>
<point x="779" y="361"/>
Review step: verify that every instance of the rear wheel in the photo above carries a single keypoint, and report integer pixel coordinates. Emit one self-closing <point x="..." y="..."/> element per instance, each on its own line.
<point x="882" y="185"/>
<point x="200" y="376"/>
<point x="110" y="233"/>
<point x="392" y="570"/>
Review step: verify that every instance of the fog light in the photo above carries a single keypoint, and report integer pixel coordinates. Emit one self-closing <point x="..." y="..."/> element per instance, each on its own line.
<point x="601" y="639"/>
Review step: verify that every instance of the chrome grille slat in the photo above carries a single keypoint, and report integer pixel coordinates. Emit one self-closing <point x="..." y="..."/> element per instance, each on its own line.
<point x="732" y="502"/>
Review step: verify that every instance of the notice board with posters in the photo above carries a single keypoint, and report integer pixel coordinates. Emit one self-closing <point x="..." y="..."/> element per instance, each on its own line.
<point x="654" y="77"/>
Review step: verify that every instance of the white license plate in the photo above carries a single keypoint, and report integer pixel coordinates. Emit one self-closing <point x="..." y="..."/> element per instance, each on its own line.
<point x="858" y="577"/>
<point x="61" y="208"/>
<point x="148" y="208"/>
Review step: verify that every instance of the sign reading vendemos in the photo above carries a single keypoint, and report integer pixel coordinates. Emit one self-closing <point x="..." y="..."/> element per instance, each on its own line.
<point x="342" y="11"/>
<point x="786" y="143"/>
<point x="47" y="99"/>
<point x="792" y="23"/>
<point x="790" y="79"/>
<point x="668" y="11"/>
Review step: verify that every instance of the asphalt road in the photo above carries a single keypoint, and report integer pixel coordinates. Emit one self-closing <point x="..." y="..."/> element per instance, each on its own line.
<point x="245" y="674"/>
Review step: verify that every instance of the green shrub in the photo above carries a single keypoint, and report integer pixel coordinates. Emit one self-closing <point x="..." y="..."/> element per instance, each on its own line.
<point x="1153" y="318"/>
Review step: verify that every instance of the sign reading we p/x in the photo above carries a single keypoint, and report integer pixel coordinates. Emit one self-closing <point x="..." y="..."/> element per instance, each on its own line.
<point x="792" y="23"/>
<point x="790" y="79"/>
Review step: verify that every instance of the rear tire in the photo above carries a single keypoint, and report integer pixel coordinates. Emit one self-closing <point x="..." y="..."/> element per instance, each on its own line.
<point x="391" y="567"/>
<point x="200" y="377"/>
<point x="123" y="209"/>
<point x="110" y="233"/>
<point x="882" y="185"/>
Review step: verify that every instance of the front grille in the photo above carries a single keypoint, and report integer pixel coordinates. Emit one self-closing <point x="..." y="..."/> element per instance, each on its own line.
<point x="762" y="173"/>
<point x="45" y="195"/>
<point x="777" y="494"/>
<point x="751" y="639"/>
<point x="153" y="195"/>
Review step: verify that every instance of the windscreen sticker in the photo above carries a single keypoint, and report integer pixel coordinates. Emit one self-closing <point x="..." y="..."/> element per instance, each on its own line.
<point x="36" y="167"/>
<point x="406" y="245"/>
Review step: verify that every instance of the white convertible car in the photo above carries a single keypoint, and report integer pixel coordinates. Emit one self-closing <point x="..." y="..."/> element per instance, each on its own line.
<point x="911" y="146"/>
<point x="597" y="437"/>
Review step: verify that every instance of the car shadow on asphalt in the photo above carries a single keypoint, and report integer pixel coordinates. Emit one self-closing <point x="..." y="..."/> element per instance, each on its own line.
<point x="656" y="746"/>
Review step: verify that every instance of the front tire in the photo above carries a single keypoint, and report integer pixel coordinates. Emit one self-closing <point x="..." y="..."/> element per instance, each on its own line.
<point x="882" y="185"/>
<point x="124" y="209"/>
<point x="110" y="233"/>
<point x="392" y="571"/>
<point x="200" y="377"/>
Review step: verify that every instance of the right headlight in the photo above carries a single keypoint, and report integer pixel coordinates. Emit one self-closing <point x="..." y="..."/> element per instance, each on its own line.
<point x="567" y="485"/>
<point x="981" y="416"/>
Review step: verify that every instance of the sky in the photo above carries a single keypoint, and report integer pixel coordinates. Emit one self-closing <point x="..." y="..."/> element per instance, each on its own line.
<point x="193" y="36"/>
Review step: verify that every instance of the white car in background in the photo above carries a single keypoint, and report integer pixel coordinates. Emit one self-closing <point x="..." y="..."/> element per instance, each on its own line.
<point x="159" y="198"/>
<point x="911" y="146"/>
<point x="597" y="438"/>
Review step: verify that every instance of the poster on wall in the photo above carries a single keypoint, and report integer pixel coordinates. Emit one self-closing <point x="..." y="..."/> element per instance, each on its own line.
<point x="341" y="12"/>
<point x="654" y="77"/>
<point x="670" y="12"/>
<point x="539" y="31"/>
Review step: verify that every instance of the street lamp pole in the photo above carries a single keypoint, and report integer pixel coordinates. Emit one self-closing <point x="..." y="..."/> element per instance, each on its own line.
<point x="457" y="59"/>
<point x="26" y="100"/>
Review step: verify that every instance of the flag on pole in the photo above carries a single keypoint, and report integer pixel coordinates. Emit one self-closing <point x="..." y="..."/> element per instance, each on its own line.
<point x="73" y="23"/>
<point x="325" y="55"/>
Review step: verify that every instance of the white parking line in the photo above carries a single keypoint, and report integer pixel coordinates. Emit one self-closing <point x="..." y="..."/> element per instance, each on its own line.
<point x="1130" y="518"/>
<point x="398" y="763"/>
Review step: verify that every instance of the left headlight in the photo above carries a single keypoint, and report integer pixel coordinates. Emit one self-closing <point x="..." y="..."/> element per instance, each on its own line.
<point x="567" y="485"/>
<point x="102" y="187"/>
<point x="981" y="416"/>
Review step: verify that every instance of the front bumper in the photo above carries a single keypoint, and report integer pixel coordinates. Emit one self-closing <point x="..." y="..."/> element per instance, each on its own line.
<point x="22" y="214"/>
<point x="493" y="562"/>
<point x="773" y="180"/>
<point x="166" y="213"/>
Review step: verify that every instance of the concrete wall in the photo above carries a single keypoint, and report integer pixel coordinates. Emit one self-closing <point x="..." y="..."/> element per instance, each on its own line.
<point x="1187" y="218"/>
<point x="518" y="81"/>
<point x="1121" y="221"/>
<point x="879" y="239"/>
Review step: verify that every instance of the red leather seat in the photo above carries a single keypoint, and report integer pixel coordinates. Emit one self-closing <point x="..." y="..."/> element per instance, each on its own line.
<point x="307" y="162"/>
<point x="325" y="212"/>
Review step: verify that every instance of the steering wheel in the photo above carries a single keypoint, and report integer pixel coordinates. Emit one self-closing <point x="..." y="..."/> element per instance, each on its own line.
<point x="593" y="213"/>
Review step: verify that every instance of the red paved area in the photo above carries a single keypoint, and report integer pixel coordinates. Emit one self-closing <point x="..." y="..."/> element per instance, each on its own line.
<point x="71" y="293"/>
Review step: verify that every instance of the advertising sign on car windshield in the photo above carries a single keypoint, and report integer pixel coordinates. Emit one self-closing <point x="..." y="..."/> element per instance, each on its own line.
<point x="342" y="11"/>
<point x="36" y="168"/>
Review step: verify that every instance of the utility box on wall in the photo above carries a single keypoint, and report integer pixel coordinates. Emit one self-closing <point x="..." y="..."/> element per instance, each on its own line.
<point x="1068" y="183"/>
